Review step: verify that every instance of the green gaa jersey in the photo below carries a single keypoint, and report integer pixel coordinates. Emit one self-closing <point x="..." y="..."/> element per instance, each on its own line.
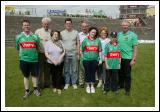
<point x="91" y="49"/>
<point x="27" y="46"/>
<point x="112" y="55"/>
<point x="126" y="42"/>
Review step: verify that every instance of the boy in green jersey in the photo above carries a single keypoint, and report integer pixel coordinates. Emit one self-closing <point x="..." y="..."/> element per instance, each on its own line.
<point x="112" y="61"/>
<point x="27" y="45"/>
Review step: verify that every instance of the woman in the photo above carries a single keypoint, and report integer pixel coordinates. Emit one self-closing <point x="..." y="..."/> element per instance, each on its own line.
<point x="55" y="52"/>
<point x="91" y="49"/>
<point x="104" y="40"/>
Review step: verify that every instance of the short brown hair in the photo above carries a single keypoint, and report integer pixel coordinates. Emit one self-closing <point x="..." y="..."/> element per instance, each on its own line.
<point x="68" y="19"/>
<point x="25" y="20"/>
<point x="53" y="31"/>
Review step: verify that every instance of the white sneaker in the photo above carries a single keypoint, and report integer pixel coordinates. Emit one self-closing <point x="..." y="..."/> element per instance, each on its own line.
<point x="59" y="91"/>
<point x="75" y="86"/>
<point x="54" y="90"/>
<point x="66" y="86"/>
<point x="99" y="83"/>
<point x="92" y="89"/>
<point x="88" y="89"/>
<point x="37" y="92"/>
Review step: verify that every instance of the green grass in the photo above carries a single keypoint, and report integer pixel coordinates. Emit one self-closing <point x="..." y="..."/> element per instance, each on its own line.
<point x="143" y="88"/>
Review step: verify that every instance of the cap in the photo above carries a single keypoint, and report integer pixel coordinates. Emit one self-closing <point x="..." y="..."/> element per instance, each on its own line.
<point x="113" y="34"/>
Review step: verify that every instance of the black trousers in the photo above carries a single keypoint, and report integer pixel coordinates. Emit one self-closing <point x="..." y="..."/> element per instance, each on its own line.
<point x="44" y="76"/>
<point x="125" y="75"/>
<point x="90" y="70"/>
<point x="111" y="81"/>
<point x="57" y="75"/>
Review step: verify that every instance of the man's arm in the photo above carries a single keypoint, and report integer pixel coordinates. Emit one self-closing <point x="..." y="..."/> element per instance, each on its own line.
<point x="17" y="43"/>
<point x="78" y="47"/>
<point x="134" y="55"/>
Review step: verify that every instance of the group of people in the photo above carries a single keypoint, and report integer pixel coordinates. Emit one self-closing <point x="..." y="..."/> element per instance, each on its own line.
<point x="75" y="58"/>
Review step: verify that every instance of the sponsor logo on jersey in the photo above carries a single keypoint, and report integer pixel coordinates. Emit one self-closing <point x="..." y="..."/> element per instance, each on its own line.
<point x="113" y="54"/>
<point x="25" y="45"/>
<point x="91" y="49"/>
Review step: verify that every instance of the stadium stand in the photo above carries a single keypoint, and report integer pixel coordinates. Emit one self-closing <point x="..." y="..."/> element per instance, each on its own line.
<point x="13" y="26"/>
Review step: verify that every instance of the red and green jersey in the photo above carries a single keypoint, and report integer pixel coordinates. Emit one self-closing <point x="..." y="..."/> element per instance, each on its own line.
<point x="112" y="55"/>
<point x="27" y="46"/>
<point x="91" y="49"/>
<point x="126" y="42"/>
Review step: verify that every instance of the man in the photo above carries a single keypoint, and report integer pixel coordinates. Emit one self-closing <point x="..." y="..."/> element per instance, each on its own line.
<point x="82" y="35"/>
<point x="128" y="42"/>
<point x="70" y="41"/>
<point x="44" y="35"/>
<point x="27" y="44"/>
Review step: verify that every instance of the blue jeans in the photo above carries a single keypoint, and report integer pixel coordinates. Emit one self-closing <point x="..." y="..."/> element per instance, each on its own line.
<point x="70" y="69"/>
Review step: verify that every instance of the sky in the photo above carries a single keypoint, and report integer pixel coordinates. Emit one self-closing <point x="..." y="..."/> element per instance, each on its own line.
<point x="41" y="10"/>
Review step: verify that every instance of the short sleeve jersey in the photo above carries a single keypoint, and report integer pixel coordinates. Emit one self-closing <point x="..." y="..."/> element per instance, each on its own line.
<point x="126" y="42"/>
<point x="27" y="46"/>
<point x="112" y="53"/>
<point x="91" y="49"/>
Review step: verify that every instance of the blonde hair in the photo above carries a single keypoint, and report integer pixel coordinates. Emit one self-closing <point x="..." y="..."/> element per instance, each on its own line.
<point x="103" y="29"/>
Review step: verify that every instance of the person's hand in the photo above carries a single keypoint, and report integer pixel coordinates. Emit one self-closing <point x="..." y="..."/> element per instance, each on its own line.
<point x="107" y="66"/>
<point x="55" y="62"/>
<point x="100" y="62"/>
<point x="132" y="62"/>
<point x="59" y="61"/>
<point x="78" y="57"/>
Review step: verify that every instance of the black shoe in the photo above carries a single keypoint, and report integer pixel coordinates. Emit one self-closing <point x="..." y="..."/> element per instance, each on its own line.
<point x="46" y="86"/>
<point x="120" y="87"/>
<point x="127" y="93"/>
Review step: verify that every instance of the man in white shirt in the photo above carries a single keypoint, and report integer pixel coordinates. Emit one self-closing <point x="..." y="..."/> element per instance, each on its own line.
<point x="44" y="35"/>
<point x="82" y="35"/>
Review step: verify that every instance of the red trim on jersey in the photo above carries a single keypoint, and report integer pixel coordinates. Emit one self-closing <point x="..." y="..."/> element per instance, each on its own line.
<point x="93" y="48"/>
<point x="113" y="54"/>
<point x="90" y="38"/>
<point x="25" y="45"/>
<point x="113" y="43"/>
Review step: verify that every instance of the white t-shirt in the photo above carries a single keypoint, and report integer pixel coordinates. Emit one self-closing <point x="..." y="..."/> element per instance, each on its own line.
<point x="104" y="42"/>
<point x="82" y="36"/>
<point x="54" y="51"/>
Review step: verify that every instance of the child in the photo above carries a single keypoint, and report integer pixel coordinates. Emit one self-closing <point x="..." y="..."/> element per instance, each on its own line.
<point x="112" y="62"/>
